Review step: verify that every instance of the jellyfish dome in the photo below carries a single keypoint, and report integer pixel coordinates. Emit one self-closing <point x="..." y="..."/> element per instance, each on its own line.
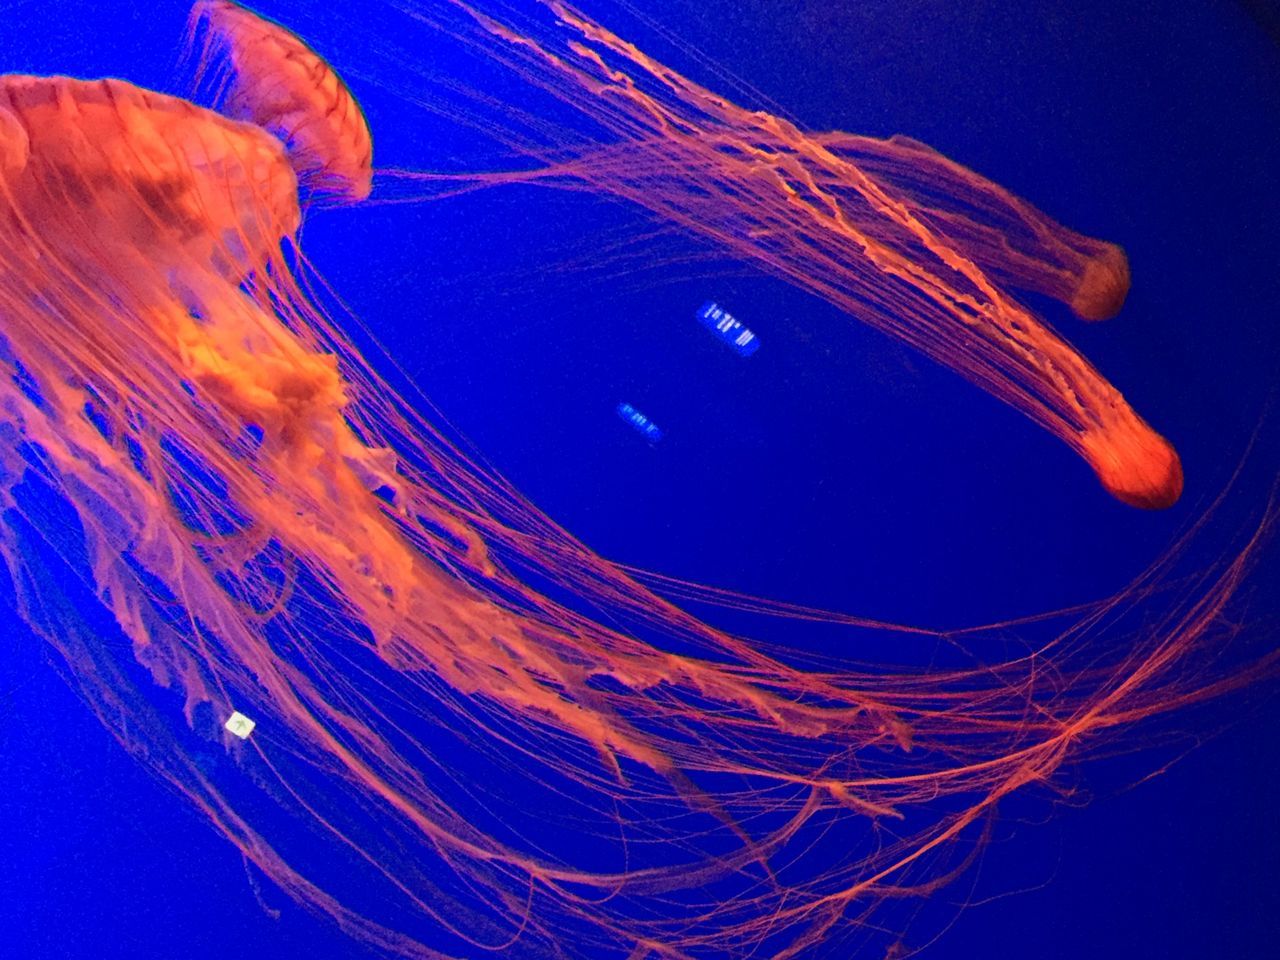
<point x="273" y="79"/>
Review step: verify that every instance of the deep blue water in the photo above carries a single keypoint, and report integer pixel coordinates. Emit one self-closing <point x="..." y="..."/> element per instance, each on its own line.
<point x="833" y="468"/>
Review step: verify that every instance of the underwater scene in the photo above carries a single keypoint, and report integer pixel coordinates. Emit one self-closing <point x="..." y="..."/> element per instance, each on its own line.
<point x="639" y="479"/>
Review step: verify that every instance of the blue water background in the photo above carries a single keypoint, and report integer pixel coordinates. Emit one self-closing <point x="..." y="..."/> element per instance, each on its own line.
<point x="833" y="468"/>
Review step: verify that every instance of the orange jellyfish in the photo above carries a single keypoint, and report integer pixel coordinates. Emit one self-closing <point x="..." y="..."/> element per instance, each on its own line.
<point x="889" y="231"/>
<point x="271" y="78"/>
<point x="417" y="704"/>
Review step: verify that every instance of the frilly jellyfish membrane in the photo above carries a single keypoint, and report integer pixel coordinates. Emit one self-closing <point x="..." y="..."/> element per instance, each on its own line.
<point x="413" y="701"/>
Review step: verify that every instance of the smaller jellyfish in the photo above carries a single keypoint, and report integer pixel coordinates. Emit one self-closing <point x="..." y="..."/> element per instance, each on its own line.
<point x="642" y="424"/>
<point x="728" y="328"/>
<point x="1008" y="238"/>
<point x="277" y="82"/>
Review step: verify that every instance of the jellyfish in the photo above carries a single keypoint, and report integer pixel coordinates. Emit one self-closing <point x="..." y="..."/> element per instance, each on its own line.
<point x="218" y="510"/>
<point x="888" y="231"/>
<point x="272" y="79"/>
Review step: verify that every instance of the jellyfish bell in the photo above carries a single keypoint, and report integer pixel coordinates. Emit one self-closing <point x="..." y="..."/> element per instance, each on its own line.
<point x="279" y="83"/>
<point x="113" y="172"/>
<point x="1103" y="286"/>
<point x="1137" y="467"/>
